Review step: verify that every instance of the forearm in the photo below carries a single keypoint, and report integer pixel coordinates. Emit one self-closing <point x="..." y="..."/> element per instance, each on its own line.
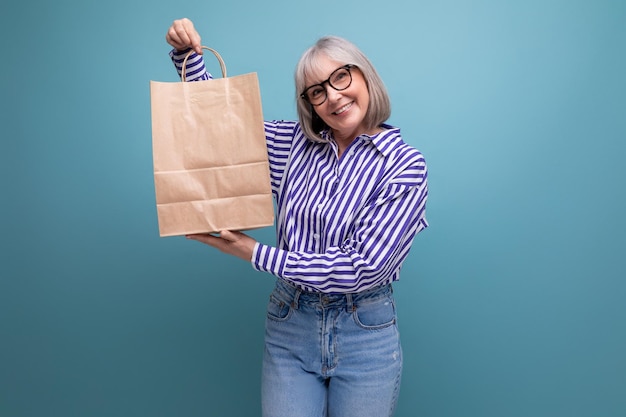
<point x="372" y="256"/>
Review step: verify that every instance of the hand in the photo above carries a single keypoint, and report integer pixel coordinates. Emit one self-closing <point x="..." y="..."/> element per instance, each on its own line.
<point x="182" y="35"/>
<point x="233" y="243"/>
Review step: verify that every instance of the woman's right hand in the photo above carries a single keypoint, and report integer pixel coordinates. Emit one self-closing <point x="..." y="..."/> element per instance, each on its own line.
<point x="182" y="35"/>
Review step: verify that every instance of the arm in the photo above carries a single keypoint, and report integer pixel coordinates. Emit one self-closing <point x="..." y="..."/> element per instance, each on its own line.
<point x="376" y="243"/>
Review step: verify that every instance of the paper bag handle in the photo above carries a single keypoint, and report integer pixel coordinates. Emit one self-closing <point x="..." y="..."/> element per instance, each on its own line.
<point x="218" y="56"/>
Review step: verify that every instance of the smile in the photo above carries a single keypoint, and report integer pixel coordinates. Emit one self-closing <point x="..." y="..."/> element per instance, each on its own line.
<point x="344" y="108"/>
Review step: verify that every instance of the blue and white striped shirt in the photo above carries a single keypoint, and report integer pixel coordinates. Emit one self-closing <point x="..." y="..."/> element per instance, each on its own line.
<point x="343" y="225"/>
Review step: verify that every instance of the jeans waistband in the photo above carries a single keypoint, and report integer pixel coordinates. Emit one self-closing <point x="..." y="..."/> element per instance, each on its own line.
<point x="295" y="296"/>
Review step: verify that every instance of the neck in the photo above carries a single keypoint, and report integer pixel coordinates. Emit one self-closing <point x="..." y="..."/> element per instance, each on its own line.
<point x="344" y="141"/>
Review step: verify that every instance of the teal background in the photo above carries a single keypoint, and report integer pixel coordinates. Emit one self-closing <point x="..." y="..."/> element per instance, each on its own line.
<point x="511" y="304"/>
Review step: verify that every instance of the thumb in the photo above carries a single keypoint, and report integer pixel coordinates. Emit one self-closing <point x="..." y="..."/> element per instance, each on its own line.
<point x="228" y="235"/>
<point x="196" y="42"/>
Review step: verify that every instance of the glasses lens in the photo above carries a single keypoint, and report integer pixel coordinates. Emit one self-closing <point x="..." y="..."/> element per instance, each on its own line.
<point x="316" y="94"/>
<point x="340" y="79"/>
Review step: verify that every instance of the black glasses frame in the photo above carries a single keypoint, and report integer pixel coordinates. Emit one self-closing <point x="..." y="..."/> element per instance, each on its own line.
<point x="305" y="97"/>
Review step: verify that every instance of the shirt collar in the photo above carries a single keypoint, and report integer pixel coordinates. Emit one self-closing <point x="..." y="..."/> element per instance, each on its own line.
<point x="385" y="141"/>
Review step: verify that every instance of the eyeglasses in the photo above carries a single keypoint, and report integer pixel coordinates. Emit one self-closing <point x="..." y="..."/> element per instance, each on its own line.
<point x="339" y="79"/>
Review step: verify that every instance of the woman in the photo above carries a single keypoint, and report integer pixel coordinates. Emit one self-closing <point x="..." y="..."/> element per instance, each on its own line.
<point x="351" y="197"/>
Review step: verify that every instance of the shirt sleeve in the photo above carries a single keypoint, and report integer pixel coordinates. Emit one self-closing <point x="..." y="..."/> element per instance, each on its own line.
<point x="379" y="241"/>
<point x="195" y="69"/>
<point x="279" y="138"/>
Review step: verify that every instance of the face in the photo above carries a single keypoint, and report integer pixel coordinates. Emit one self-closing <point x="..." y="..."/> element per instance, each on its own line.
<point x="343" y="111"/>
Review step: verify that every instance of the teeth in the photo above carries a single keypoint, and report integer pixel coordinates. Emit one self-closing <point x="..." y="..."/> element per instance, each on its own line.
<point x="344" y="108"/>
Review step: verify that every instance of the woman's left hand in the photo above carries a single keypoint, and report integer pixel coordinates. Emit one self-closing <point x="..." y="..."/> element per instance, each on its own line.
<point x="233" y="243"/>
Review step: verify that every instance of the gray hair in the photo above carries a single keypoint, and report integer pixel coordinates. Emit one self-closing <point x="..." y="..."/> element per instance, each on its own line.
<point x="344" y="52"/>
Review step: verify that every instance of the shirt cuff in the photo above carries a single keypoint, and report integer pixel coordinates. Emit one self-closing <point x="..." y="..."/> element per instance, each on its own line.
<point x="195" y="69"/>
<point x="179" y="55"/>
<point x="269" y="259"/>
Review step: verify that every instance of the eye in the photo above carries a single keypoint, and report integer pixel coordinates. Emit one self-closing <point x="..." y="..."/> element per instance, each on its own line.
<point x="340" y="76"/>
<point x="316" y="92"/>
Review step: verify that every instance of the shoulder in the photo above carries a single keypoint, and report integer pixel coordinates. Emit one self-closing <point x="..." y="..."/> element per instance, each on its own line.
<point x="390" y="143"/>
<point x="404" y="162"/>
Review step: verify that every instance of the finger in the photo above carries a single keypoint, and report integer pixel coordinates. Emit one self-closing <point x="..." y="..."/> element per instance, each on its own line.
<point x="188" y="34"/>
<point x="197" y="46"/>
<point x="195" y="41"/>
<point x="207" y="239"/>
<point x="173" y="38"/>
<point x="228" y="235"/>
<point x="178" y="34"/>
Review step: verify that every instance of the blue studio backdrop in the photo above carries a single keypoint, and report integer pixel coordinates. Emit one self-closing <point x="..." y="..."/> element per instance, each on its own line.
<point x="511" y="303"/>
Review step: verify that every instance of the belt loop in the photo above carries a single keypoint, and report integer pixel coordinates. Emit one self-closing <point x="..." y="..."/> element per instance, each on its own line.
<point x="350" y="303"/>
<point x="296" y="296"/>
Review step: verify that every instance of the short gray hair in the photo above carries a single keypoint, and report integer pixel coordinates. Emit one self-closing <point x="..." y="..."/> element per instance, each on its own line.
<point x="344" y="52"/>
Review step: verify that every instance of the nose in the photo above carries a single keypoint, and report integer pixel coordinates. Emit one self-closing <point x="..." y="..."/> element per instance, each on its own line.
<point x="332" y="94"/>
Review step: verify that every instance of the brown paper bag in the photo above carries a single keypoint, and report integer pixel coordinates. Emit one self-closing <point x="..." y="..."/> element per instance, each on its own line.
<point x="211" y="170"/>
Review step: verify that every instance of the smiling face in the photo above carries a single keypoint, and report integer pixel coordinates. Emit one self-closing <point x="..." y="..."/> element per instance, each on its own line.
<point x="343" y="111"/>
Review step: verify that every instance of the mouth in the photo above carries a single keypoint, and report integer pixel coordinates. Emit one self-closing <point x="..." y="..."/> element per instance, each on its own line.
<point x="343" y="109"/>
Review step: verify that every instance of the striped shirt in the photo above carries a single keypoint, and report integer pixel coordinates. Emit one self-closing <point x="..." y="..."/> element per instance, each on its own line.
<point x="343" y="225"/>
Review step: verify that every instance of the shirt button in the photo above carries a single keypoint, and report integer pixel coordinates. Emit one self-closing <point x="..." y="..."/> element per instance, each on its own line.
<point x="316" y="236"/>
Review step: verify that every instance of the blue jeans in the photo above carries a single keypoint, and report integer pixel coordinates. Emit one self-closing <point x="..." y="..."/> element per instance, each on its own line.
<point x="331" y="355"/>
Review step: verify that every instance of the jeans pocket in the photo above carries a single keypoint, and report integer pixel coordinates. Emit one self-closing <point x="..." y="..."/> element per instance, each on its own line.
<point x="278" y="310"/>
<point x="375" y="315"/>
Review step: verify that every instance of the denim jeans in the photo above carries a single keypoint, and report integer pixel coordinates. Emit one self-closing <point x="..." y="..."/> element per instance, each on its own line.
<point x="331" y="355"/>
